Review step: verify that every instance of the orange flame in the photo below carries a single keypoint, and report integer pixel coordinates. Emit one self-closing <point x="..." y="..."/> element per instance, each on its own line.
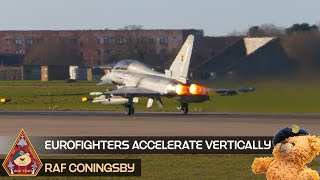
<point x="193" y="89"/>
<point x="182" y="90"/>
<point x="197" y="90"/>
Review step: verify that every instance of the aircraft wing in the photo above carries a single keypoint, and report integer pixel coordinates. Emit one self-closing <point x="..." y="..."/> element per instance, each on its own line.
<point x="230" y="92"/>
<point x="107" y="81"/>
<point x="132" y="91"/>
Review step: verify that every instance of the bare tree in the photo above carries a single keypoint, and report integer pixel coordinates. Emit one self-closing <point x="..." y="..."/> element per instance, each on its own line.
<point x="132" y="27"/>
<point x="137" y="46"/>
<point x="304" y="27"/>
<point x="303" y="48"/>
<point x="237" y="33"/>
<point x="272" y="30"/>
<point x="255" y="31"/>
<point x="53" y="52"/>
<point x="265" y="30"/>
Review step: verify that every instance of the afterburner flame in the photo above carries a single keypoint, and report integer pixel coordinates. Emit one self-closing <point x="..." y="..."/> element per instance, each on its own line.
<point x="197" y="90"/>
<point x="193" y="89"/>
<point x="182" y="90"/>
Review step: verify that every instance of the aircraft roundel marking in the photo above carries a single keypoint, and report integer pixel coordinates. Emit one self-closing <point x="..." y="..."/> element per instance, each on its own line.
<point x="182" y="56"/>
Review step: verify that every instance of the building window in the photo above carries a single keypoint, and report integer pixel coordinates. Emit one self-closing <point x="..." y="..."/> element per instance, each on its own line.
<point x="18" y="41"/>
<point x="73" y="41"/>
<point x="98" y="52"/>
<point x="163" y="40"/>
<point x="29" y="41"/>
<point x="98" y="40"/>
<point x="121" y="40"/>
<point x="163" y="51"/>
<point x="107" y="51"/>
<point x="151" y="40"/>
<point x="107" y="40"/>
<point x="152" y="51"/>
<point x="19" y="51"/>
<point x="39" y="41"/>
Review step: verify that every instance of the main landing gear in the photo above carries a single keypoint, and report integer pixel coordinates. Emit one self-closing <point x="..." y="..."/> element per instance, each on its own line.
<point x="129" y="109"/>
<point x="184" y="108"/>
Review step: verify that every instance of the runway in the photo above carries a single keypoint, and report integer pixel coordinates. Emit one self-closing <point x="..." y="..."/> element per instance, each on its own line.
<point x="97" y="123"/>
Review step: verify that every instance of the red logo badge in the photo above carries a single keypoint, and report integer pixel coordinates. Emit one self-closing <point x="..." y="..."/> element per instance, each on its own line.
<point x="22" y="160"/>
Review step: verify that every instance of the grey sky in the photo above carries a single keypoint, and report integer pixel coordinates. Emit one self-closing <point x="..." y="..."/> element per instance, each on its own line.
<point x="215" y="17"/>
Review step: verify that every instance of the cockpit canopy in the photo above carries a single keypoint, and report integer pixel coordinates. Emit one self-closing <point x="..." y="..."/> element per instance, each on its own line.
<point x="123" y="64"/>
<point x="133" y="66"/>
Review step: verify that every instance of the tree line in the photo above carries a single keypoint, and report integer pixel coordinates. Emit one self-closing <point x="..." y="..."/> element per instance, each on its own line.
<point x="59" y="51"/>
<point x="300" y="42"/>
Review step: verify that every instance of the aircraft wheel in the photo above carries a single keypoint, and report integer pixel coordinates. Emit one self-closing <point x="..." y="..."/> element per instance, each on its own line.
<point x="128" y="110"/>
<point x="184" y="108"/>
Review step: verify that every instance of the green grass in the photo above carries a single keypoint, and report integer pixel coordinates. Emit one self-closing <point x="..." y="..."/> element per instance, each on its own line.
<point x="269" y="97"/>
<point x="187" y="166"/>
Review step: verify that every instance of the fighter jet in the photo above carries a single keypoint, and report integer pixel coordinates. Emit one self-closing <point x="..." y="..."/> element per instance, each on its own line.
<point x="135" y="79"/>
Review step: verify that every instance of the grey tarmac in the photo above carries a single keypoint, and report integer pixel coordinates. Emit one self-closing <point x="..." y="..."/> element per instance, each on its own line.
<point x="110" y="123"/>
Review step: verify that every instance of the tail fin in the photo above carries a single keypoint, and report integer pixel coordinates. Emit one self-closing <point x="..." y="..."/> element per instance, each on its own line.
<point x="180" y="66"/>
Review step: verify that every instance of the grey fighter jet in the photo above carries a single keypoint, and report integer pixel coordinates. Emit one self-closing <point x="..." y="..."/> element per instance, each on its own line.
<point x="134" y="79"/>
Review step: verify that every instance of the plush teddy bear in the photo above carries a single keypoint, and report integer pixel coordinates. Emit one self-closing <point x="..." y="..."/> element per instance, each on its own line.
<point x="293" y="149"/>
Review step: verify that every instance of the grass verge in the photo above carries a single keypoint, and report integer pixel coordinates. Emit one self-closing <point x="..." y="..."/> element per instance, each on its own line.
<point x="269" y="97"/>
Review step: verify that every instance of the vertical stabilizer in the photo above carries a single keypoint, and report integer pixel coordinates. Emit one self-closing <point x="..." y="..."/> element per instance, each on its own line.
<point x="180" y="66"/>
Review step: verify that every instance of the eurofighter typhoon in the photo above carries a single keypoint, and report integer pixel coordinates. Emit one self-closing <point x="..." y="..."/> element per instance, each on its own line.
<point x="134" y="79"/>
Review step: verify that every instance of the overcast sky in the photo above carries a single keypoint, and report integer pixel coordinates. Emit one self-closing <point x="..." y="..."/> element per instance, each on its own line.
<point x="215" y="17"/>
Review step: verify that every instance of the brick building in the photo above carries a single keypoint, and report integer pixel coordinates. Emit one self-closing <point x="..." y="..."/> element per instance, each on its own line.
<point x="95" y="46"/>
